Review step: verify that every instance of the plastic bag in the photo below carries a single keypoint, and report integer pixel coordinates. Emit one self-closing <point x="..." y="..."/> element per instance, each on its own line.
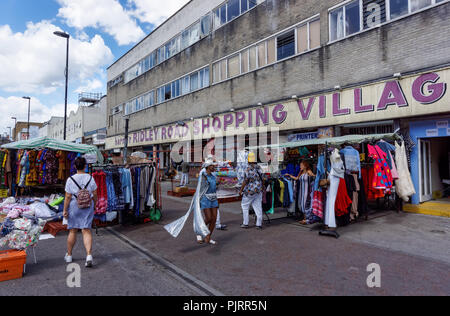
<point x="41" y="210"/>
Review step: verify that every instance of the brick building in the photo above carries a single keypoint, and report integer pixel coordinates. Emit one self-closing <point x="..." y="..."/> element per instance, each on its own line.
<point x="351" y="67"/>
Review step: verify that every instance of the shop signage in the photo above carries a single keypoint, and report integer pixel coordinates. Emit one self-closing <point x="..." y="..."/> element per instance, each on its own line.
<point x="411" y="96"/>
<point x="302" y="136"/>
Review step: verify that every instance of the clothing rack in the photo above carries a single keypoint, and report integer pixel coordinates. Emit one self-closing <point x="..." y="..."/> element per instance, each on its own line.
<point x="153" y="163"/>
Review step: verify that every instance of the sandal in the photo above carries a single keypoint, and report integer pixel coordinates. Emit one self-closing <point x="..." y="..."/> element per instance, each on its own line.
<point x="200" y="240"/>
<point x="303" y="222"/>
<point x="213" y="242"/>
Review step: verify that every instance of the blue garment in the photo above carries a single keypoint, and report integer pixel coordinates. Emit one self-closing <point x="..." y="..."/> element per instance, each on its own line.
<point x="290" y="189"/>
<point x="386" y="147"/>
<point x="292" y="169"/>
<point x="125" y="178"/>
<point x="112" y="197"/>
<point x="137" y="204"/>
<point x="321" y="174"/>
<point x="212" y="188"/>
<point x="351" y="159"/>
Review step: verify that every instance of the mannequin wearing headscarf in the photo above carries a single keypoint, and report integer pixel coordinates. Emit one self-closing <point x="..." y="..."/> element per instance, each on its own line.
<point x="200" y="227"/>
<point x="337" y="173"/>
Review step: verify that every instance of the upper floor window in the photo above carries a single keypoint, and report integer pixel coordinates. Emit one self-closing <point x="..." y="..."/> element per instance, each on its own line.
<point x="357" y="15"/>
<point x="231" y="9"/>
<point x="296" y="40"/>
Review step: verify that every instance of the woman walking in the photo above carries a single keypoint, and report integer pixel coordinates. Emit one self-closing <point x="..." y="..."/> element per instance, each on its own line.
<point x="81" y="197"/>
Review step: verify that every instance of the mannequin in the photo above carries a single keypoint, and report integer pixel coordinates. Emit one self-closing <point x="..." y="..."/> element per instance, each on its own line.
<point x="337" y="172"/>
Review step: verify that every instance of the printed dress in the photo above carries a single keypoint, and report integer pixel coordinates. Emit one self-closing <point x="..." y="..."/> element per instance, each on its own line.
<point x="382" y="177"/>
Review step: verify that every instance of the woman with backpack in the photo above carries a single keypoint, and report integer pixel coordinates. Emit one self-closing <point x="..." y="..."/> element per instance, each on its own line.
<point x="79" y="205"/>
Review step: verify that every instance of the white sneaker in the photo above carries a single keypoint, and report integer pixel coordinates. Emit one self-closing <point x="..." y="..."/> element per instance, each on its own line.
<point x="89" y="261"/>
<point x="68" y="258"/>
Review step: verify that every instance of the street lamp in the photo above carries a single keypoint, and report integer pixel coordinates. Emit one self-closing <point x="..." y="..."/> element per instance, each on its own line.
<point x="28" y="125"/>
<point x="15" y="123"/>
<point x="66" y="36"/>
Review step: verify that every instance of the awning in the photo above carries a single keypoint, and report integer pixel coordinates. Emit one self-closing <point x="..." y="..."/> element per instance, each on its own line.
<point x="348" y="139"/>
<point x="45" y="142"/>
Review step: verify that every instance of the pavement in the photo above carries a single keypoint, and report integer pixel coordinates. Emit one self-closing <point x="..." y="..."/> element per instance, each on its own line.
<point x="284" y="258"/>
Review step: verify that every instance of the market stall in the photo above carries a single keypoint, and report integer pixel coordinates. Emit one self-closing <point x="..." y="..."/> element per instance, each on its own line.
<point x="350" y="176"/>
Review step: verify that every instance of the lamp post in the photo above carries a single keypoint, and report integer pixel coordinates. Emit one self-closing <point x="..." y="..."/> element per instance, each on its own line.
<point x="67" y="37"/>
<point x="28" y="124"/>
<point x="15" y="123"/>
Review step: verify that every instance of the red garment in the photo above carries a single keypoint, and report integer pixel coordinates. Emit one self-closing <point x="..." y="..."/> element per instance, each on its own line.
<point x="342" y="200"/>
<point x="102" y="203"/>
<point x="382" y="177"/>
<point x="317" y="204"/>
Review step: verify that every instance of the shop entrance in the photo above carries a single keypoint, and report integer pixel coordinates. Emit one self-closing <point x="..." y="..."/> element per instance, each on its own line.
<point x="434" y="169"/>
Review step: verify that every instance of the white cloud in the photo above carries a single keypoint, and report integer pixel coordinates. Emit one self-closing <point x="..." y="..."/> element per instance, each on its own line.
<point x="94" y="85"/>
<point x="18" y="107"/>
<point x="34" y="61"/>
<point x="154" y="12"/>
<point x="108" y="15"/>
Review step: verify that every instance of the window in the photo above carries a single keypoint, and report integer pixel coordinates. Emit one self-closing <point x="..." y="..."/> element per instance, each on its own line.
<point x="194" y="81"/>
<point x="252" y="58"/>
<point x="194" y="34"/>
<point x="205" y="77"/>
<point x="216" y="72"/>
<point x="252" y="3"/>
<point x="233" y="9"/>
<point x="185" y="39"/>
<point x="244" y="61"/>
<point x="337" y="24"/>
<point x="161" y="95"/>
<point x="349" y="13"/>
<point x="223" y="14"/>
<point x="286" y="45"/>
<point x="271" y="51"/>
<point x="160" y="53"/>
<point x="223" y="69"/>
<point x="175" y="89"/>
<point x="419" y="4"/>
<point x="374" y="13"/>
<point x="233" y="66"/>
<point x="167" y="92"/>
<point x="314" y="34"/>
<point x="244" y="6"/>
<point x="352" y="19"/>
<point x="262" y="54"/>
<point x="398" y="8"/>
<point x="206" y="26"/>
<point x="216" y="18"/>
<point x="186" y="86"/>
<point x="302" y="38"/>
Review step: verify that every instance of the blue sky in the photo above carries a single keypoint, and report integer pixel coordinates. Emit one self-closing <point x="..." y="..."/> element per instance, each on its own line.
<point x="32" y="59"/>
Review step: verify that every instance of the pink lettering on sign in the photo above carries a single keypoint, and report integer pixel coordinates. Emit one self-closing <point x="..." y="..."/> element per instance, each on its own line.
<point x="196" y="127"/>
<point x="142" y="136"/>
<point x="217" y="124"/>
<point x="337" y="111"/>
<point x="322" y="106"/>
<point x="240" y="118"/>
<point x="155" y="132"/>
<point x="359" y="108"/>
<point x="228" y="120"/>
<point x="205" y="125"/>
<point x="250" y="118"/>
<point x="163" y="133"/>
<point x="392" y="95"/>
<point x="170" y="132"/>
<point x="306" y="112"/>
<point x="135" y="139"/>
<point x="262" y="115"/>
<point x="435" y="90"/>
<point x="278" y="114"/>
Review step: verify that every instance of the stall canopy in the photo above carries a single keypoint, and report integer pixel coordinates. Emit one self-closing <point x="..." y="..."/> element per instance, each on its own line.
<point x="45" y="142"/>
<point x="348" y="139"/>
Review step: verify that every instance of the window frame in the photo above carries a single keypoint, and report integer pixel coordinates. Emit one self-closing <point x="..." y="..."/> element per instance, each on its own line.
<point x="254" y="47"/>
<point x="389" y="18"/>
